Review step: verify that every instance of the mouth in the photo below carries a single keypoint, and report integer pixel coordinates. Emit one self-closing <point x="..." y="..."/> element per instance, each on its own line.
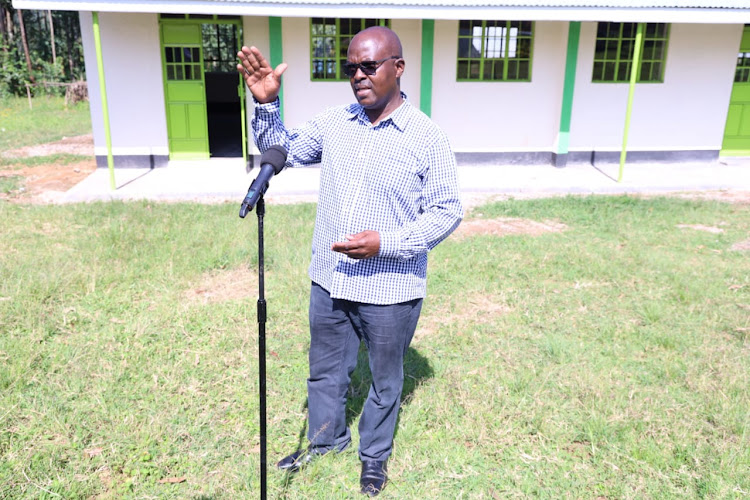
<point x="361" y="91"/>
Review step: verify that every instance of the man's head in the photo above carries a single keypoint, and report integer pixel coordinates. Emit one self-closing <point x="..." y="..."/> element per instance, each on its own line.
<point x="377" y="86"/>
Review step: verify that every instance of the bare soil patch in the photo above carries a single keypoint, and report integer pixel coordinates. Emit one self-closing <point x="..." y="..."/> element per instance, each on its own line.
<point x="504" y="226"/>
<point x="45" y="182"/>
<point x="223" y="285"/>
<point x="81" y="145"/>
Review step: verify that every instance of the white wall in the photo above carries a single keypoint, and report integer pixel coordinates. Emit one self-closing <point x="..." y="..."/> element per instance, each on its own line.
<point x="500" y="116"/>
<point x="686" y="112"/>
<point x="304" y="98"/>
<point x="133" y="75"/>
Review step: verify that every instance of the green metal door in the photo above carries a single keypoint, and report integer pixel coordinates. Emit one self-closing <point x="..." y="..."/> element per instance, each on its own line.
<point x="184" y="91"/>
<point x="737" y="131"/>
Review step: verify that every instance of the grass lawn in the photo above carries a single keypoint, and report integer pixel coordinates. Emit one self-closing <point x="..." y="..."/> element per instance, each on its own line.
<point x="48" y="120"/>
<point x="608" y="360"/>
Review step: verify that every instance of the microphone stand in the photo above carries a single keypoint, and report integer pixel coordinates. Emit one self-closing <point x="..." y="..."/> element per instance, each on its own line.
<point x="260" y="210"/>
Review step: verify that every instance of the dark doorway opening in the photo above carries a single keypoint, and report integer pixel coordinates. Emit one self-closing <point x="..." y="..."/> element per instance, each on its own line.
<point x="223" y="104"/>
<point x="224" y="115"/>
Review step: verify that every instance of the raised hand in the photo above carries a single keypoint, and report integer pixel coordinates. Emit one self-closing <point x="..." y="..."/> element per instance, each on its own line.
<point x="263" y="81"/>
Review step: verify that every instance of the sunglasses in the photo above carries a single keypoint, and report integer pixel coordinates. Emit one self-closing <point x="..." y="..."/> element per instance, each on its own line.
<point x="369" y="68"/>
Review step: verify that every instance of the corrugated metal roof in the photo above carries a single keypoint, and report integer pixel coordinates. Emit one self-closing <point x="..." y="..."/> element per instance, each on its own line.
<point x="563" y="4"/>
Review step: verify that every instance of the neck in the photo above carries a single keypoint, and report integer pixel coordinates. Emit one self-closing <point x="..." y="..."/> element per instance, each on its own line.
<point x="378" y="115"/>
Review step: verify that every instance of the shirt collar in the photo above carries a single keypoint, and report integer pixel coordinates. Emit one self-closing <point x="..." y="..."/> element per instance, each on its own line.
<point x="398" y="117"/>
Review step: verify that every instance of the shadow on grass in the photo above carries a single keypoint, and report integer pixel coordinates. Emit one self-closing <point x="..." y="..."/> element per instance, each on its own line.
<point x="417" y="368"/>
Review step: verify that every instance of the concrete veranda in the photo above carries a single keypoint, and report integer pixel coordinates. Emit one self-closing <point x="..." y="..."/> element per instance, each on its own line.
<point x="220" y="180"/>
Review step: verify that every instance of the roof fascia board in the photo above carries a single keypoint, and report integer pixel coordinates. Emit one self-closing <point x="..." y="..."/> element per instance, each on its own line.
<point x="708" y="16"/>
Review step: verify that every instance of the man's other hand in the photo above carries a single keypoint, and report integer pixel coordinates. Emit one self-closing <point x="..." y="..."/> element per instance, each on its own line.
<point x="359" y="246"/>
<point x="263" y="81"/>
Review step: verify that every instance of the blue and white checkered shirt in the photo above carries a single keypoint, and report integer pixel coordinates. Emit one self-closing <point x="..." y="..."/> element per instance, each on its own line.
<point x="398" y="178"/>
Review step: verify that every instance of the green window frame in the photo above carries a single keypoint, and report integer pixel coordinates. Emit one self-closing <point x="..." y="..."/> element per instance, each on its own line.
<point x="183" y="63"/>
<point x="329" y="42"/>
<point x="615" y="47"/>
<point x="498" y="51"/>
<point x="742" y="73"/>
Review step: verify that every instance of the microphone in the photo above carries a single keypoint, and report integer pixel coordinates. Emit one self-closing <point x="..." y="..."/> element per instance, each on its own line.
<point x="271" y="163"/>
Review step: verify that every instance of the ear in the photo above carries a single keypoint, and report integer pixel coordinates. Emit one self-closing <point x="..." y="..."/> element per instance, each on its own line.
<point x="400" y="64"/>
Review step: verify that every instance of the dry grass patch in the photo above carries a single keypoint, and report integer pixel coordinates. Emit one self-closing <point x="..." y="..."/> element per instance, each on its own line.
<point x="224" y="285"/>
<point x="701" y="227"/>
<point x="741" y="246"/>
<point x="504" y="226"/>
<point x="479" y="308"/>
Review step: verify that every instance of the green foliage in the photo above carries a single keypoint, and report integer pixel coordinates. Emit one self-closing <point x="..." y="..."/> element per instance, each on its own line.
<point x="13" y="73"/>
<point x="608" y="360"/>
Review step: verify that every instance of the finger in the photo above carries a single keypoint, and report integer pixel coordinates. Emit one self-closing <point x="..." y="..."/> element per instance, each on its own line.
<point x="280" y="70"/>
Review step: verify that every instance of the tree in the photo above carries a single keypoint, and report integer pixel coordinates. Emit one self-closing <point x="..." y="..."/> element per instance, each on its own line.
<point x="25" y="44"/>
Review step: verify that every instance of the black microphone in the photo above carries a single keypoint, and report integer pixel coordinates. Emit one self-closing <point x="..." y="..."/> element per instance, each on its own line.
<point x="271" y="163"/>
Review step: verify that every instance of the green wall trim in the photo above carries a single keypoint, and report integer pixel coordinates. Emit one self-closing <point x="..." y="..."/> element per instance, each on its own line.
<point x="428" y="54"/>
<point x="103" y="92"/>
<point x="277" y="53"/>
<point x="571" y="63"/>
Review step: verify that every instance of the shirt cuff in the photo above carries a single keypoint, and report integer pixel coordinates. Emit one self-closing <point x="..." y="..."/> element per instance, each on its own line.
<point x="269" y="107"/>
<point x="390" y="245"/>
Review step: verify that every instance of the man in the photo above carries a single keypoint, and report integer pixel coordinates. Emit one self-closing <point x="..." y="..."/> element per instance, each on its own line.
<point x="388" y="194"/>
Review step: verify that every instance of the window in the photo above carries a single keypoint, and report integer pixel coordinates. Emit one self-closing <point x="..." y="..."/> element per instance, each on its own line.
<point x="220" y="47"/>
<point x="494" y="51"/>
<point x="615" y="47"/>
<point x="183" y="63"/>
<point x="329" y="41"/>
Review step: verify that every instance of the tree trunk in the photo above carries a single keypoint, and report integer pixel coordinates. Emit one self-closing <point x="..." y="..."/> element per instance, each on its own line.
<point x="25" y="44"/>
<point x="3" y="30"/>
<point x="52" y="38"/>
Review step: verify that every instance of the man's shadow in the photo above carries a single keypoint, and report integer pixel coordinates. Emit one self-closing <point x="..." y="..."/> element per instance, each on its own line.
<point x="417" y="369"/>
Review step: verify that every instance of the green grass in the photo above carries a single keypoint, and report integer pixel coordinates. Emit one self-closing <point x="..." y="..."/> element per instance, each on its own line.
<point x="35" y="161"/>
<point x="48" y="120"/>
<point x="606" y="361"/>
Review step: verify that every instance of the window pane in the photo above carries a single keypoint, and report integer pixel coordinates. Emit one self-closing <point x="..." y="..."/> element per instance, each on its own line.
<point x="524" y="48"/>
<point x="613" y="30"/>
<point x="474" y="70"/>
<point x="464" y="28"/>
<point x="188" y="72"/>
<point x="629" y="29"/>
<point x="464" y="47"/>
<point x="178" y="73"/>
<point x="524" y="72"/>
<point x="623" y="71"/>
<point x="609" y="71"/>
<point x="170" y="72"/>
<point x="612" y="49"/>
<point x="462" y="70"/>
<point x="512" y="70"/>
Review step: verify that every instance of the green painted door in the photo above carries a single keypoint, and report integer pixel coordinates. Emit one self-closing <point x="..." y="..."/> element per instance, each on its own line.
<point x="184" y="91"/>
<point x="737" y="131"/>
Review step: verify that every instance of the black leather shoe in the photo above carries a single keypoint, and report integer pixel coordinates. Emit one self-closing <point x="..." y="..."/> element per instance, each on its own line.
<point x="298" y="459"/>
<point x="373" y="477"/>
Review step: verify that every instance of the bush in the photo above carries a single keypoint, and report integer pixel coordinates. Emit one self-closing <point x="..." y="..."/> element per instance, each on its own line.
<point x="13" y="74"/>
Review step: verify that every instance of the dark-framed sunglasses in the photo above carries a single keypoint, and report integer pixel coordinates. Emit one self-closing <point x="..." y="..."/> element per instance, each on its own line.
<point x="369" y="68"/>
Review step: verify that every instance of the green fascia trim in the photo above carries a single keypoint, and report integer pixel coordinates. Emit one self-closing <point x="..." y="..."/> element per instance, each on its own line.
<point x="571" y="63"/>
<point x="103" y="92"/>
<point x="277" y="53"/>
<point x="428" y="57"/>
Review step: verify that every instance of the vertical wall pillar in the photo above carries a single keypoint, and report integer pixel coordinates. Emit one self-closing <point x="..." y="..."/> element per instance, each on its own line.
<point x="277" y="53"/>
<point x="103" y="92"/>
<point x="425" y="79"/>
<point x="635" y="73"/>
<point x="560" y="158"/>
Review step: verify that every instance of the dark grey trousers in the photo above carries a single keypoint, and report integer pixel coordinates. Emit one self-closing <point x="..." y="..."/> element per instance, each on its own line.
<point x="336" y="329"/>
